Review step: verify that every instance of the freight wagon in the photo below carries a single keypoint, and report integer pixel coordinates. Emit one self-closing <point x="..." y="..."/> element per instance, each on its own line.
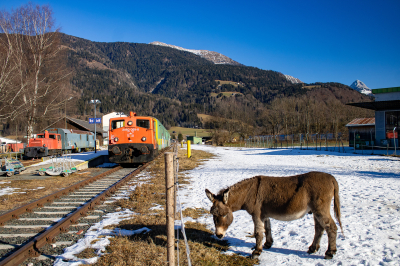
<point x="136" y="139"/>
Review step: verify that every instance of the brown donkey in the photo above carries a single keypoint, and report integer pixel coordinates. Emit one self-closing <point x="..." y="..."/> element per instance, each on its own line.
<point x="282" y="198"/>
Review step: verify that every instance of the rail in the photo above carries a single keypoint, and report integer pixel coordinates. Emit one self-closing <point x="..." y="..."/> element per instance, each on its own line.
<point x="31" y="248"/>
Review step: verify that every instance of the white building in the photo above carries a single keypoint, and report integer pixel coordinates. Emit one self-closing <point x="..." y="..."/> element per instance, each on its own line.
<point x="106" y="119"/>
<point x="6" y="141"/>
<point x="106" y="123"/>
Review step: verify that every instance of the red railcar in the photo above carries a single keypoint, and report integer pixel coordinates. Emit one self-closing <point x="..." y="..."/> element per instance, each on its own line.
<point x="43" y="145"/>
<point x="15" y="147"/>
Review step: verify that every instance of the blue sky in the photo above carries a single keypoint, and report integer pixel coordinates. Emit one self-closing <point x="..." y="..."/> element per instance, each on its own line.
<point x="314" y="41"/>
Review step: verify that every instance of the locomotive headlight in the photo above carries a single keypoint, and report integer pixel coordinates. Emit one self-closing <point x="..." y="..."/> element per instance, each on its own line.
<point x="116" y="139"/>
<point x="130" y="123"/>
<point x="44" y="145"/>
<point x="144" y="139"/>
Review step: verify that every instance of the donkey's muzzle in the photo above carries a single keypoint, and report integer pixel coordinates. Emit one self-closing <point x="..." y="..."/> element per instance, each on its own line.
<point x="220" y="236"/>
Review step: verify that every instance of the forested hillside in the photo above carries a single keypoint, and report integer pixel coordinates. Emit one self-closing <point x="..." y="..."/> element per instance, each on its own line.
<point x="176" y="85"/>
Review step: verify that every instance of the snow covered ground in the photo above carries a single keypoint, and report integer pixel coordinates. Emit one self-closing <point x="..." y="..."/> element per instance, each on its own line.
<point x="77" y="158"/>
<point x="369" y="193"/>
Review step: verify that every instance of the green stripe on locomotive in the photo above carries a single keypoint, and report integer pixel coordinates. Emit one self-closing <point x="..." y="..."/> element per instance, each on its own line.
<point x="162" y="135"/>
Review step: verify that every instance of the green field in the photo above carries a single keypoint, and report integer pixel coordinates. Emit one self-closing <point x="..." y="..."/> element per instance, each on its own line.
<point x="223" y="82"/>
<point x="189" y="131"/>
<point x="225" y="93"/>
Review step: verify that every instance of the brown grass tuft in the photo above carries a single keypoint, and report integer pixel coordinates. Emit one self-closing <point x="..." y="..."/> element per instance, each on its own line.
<point x="87" y="253"/>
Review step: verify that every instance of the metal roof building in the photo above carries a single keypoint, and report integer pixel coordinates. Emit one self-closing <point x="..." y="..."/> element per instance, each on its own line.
<point x="387" y="114"/>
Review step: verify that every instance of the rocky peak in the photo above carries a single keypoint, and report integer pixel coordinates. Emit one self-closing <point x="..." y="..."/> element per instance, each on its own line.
<point x="214" y="57"/>
<point x="359" y="86"/>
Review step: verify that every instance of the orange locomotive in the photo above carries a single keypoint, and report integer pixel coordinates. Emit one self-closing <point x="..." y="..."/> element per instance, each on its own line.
<point x="136" y="139"/>
<point x="43" y="145"/>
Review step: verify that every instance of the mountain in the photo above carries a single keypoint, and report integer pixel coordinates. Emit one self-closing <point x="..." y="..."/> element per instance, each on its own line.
<point x="293" y="79"/>
<point x="214" y="57"/>
<point x="359" y="86"/>
<point x="176" y="85"/>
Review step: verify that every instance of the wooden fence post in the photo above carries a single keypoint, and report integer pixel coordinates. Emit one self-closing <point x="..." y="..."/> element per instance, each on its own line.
<point x="169" y="187"/>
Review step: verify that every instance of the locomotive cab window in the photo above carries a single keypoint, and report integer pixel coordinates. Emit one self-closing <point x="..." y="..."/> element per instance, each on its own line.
<point x="52" y="136"/>
<point x="58" y="137"/>
<point x="40" y="136"/>
<point x="143" y="123"/>
<point x="117" y="124"/>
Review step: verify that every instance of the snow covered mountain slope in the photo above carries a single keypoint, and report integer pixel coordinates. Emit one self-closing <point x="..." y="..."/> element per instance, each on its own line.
<point x="358" y="85"/>
<point x="214" y="57"/>
<point x="293" y="79"/>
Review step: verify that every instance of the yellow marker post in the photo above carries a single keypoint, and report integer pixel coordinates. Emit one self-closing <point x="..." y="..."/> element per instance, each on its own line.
<point x="181" y="144"/>
<point x="189" y="152"/>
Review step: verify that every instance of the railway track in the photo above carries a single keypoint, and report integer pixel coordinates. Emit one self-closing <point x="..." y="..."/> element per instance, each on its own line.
<point x="58" y="219"/>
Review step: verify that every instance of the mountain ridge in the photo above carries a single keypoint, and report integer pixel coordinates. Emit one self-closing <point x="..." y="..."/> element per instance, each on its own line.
<point x="175" y="85"/>
<point x="215" y="57"/>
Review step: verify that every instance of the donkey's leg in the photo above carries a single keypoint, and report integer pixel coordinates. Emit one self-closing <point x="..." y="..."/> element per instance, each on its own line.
<point x="329" y="225"/>
<point x="268" y="235"/>
<point x="319" y="231"/>
<point x="332" y="235"/>
<point x="259" y="234"/>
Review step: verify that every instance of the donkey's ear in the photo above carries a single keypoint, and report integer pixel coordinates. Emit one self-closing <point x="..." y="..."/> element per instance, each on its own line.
<point x="210" y="195"/>
<point x="225" y="196"/>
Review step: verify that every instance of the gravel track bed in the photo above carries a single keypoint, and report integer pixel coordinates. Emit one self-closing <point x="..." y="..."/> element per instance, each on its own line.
<point x="35" y="215"/>
<point x="106" y="209"/>
<point x="89" y="221"/>
<point x="57" y="210"/>
<point x="53" y="250"/>
<point x="30" y="222"/>
<point x="35" y="262"/>
<point x="4" y="252"/>
<point x="63" y="203"/>
<point x="20" y="230"/>
<point x="14" y="240"/>
<point x="75" y="200"/>
<point x="69" y="237"/>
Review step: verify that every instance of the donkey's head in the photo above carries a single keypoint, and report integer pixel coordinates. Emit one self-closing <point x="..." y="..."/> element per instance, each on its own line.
<point x="221" y="212"/>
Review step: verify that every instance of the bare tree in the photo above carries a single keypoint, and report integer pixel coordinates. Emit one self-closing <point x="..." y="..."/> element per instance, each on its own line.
<point x="33" y="77"/>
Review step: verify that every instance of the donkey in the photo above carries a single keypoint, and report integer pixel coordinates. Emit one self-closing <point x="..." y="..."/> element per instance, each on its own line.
<point x="281" y="198"/>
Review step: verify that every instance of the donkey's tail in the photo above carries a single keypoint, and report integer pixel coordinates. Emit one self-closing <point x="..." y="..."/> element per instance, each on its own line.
<point x="336" y="204"/>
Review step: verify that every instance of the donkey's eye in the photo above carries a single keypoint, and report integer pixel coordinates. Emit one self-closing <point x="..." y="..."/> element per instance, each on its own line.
<point x="225" y="216"/>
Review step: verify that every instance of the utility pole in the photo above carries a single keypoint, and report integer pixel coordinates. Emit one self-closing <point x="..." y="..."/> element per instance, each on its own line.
<point x="94" y="102"/>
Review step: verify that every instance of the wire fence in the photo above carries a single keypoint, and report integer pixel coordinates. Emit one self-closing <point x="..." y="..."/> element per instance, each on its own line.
<point x="357" y="143"/>
<point x="326" y="141"/>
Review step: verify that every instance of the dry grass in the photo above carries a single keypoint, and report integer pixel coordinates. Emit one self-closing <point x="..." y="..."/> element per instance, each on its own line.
<point x="50" y="184"/>
<point x="87" y="254"/>
<point x="150" y="248"/>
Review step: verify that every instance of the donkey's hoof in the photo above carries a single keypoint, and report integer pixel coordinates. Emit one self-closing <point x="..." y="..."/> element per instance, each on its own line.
<point x="267" y="245"/>
<point x="256" y="254"/>
<point x="329" y="254"/>
<point x="312" y="249"/>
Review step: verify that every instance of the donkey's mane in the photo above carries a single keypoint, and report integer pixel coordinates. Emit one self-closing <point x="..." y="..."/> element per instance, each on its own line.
<point x="233" y="187"/>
